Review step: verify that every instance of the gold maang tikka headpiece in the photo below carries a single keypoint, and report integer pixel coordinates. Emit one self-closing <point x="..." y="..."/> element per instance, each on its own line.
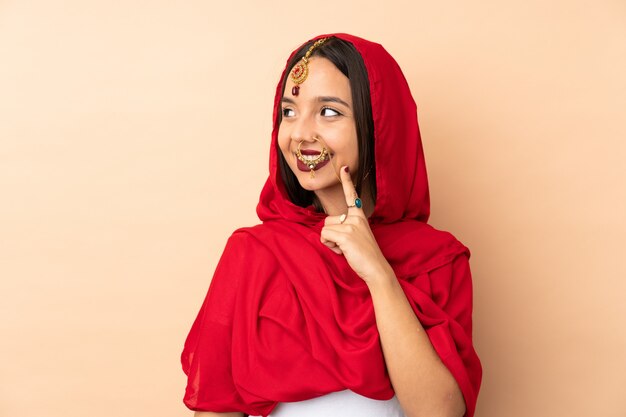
<point x="301" y="70"/>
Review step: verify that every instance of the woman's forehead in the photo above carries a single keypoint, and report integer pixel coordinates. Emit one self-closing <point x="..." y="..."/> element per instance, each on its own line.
<point x="324" y="80"/>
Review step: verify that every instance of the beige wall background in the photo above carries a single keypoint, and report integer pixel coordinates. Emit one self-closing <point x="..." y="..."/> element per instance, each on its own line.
<point x="134" y="138"/>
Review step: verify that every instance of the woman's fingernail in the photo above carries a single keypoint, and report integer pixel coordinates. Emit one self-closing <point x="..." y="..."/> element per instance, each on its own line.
<point x="347" y="169"/>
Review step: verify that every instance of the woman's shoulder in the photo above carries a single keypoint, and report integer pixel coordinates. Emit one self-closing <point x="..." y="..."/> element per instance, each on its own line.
<point x="245" y="238"/>
<point x="416" y="247"/>
<point x="416" y="232"/>
<point x="250" y="244"/>
<point x="255" y="235"/>
<point x="274" y="235"/>
<point x="411" y="228"/>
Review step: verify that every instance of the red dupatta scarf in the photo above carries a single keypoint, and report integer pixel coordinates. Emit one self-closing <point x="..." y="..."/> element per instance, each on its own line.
<point x="286" y="319"/>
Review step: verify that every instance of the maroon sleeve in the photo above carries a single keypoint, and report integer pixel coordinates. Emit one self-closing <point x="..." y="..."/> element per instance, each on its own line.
<point x="443" y="301"/>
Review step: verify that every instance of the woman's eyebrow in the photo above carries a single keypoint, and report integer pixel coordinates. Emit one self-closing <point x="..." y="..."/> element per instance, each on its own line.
<point x="321" y="99"/>
<point x="333" y="100"/>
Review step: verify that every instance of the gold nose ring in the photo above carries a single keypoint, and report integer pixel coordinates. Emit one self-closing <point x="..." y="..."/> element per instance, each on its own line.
<point x="312" y="163"/>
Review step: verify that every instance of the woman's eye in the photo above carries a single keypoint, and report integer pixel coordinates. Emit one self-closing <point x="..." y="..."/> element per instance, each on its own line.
<point x="286" y="112"/>
<point x="333" y="112"/>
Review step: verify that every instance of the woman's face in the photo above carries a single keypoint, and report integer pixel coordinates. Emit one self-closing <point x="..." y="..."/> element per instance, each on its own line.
<point x="322" y="109"/>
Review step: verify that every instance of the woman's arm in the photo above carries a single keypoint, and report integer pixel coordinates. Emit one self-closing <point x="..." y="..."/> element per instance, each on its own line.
<point x="423" y="384"/>
<point x="211" y="414"/>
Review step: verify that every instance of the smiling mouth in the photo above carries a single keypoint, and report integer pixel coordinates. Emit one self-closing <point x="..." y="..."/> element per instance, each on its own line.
<point x="306" y="163"/>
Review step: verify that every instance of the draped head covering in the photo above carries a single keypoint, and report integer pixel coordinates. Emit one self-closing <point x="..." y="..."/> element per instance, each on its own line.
<point x="287" y="319"/>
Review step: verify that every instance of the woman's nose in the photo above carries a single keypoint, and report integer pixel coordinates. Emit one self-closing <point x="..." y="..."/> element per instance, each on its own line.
<point x="303" y="129"/>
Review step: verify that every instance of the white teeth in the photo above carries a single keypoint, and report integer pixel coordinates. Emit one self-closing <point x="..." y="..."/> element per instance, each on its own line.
<point x="314" y="157"/>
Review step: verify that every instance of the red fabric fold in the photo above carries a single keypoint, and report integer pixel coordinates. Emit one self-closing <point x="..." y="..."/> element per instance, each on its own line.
<point x="287" y="319"/>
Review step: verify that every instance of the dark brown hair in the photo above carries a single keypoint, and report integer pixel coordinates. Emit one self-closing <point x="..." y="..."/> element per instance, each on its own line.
<point x="347" y="60"/>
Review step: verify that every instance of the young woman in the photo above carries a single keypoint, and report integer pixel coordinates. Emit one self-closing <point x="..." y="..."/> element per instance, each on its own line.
<point x="344" y="301"/>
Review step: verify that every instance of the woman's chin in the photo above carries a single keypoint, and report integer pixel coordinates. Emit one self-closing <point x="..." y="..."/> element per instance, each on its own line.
<point x="318" y="184"/>
<point x="310" y="184"/>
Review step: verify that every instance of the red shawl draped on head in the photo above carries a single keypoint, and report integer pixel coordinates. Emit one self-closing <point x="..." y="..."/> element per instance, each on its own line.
<point x="286" y="319"/>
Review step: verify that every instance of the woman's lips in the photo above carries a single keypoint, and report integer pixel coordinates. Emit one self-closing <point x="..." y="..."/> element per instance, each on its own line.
<point x="305" y="168"/>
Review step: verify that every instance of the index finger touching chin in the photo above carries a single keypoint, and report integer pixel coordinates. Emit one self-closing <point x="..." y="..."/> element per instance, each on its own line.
<point x="352" y="198"/>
